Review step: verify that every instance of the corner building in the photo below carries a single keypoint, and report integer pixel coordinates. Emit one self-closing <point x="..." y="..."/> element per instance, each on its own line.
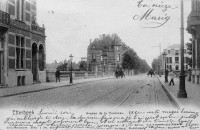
<point x="173" y="60"/>
<point x="22" y="44"/>
<point x="105" y="53"/>
<point x="193" y="27"/>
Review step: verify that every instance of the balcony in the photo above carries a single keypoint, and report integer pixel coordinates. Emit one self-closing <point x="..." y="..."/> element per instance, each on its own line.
<point x="36" y="28"/>
<point x="193" y="21"/>
<point x="4" y="19"/>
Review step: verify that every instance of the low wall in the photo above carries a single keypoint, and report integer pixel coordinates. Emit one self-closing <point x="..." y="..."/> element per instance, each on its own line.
<point x="65" y="75"/>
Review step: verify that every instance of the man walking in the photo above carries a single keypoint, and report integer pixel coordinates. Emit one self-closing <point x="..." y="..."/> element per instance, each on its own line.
<point x="172" y="76"/>
<point x="57" y="75"/>
<point x="166" y="75"/>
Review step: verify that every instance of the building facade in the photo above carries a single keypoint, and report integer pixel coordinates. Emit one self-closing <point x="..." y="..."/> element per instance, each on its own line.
<point x="193" y="27"/>
<point x="22" y="44"/>
<point x="105" y="53"/>
<point x="173" y="60"/>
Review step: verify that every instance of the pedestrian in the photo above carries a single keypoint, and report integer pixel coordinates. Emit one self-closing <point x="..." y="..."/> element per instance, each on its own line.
<point x="116" y="73"/>
<point x="57" y="75"/>
<point x="166" y="75"/>
<point x="172" y="76"/>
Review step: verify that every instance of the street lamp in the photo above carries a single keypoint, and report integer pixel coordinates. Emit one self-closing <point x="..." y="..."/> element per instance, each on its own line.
<point x="164" y="57"/>
<point x="182" y="92"/>
<point x="71" y="57"/>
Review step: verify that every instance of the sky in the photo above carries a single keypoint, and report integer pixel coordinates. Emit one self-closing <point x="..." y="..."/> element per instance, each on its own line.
<point x="70" y="24"/>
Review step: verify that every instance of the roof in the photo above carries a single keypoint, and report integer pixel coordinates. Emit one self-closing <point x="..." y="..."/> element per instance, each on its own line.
<point x="174" y="46"/>
<point x="106" y="41"/>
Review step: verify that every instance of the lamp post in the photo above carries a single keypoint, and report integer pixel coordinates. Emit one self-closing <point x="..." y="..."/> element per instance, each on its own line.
<point x="164" y="57"/>
<point x="182" y="92"/>
<point x="71" y="80"/>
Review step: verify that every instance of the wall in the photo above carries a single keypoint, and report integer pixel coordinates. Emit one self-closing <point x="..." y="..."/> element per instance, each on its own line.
<point x="13" y="75"/>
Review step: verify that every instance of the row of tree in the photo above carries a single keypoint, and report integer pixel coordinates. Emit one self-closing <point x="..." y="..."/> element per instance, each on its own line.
<point x="66" y="66"/>
<point x="131" y="61"/>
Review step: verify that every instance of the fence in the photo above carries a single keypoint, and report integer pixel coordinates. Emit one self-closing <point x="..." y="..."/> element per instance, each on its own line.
<point x="65" y="75"/>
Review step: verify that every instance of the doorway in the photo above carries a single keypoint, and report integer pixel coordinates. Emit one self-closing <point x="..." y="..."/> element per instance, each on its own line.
<point x="34" y="62"/>
<point x="1" y="61"/>
<point x="0" y="67"/>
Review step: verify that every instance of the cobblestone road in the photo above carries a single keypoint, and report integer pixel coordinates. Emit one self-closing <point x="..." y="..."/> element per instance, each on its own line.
<point x="129" y="92"/>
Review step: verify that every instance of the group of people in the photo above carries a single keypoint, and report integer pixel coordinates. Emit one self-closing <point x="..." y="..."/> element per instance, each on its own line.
<point x="151" y="72"/>
<point x="169" y="73"/>
<point x="119" y="73"/>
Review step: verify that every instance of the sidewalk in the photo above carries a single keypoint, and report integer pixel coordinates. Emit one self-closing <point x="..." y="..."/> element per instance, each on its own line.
<point x="193" y="92"/>
<point x="12" y="91"/>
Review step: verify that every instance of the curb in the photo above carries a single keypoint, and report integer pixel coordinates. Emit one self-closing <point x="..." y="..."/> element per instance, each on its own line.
<point x="171" y="96"/>
<point x="39" y="90"/>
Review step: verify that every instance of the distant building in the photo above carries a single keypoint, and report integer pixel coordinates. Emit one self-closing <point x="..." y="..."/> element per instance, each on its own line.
<point x="193" y="27"/>
<point x="22" y="44"/>
<point x="173" y="60"/>
<point x="106" y="53"/>
<point x="84" y="59"/>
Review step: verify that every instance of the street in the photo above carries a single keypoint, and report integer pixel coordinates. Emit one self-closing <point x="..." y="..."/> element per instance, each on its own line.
<point x="129" y="92"/>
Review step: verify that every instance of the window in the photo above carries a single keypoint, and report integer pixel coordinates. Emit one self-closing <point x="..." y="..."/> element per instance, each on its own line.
<point x="167" y="59"/>
<point x="176" y="52"/>
<point x="168" y="51"/>
<point x="28" y="6"/>
<point x="28" y="17"/>
<point x="20" y="52"/>
<point x="27" y="13"/>
<point x="22" y="9"/>
<point x="176" y="59"/>
<point x="11" y="9"/>
<point x="118" y="57"/>
<point x="33" y="7"/>
<point x="185" y="59"/>
<point x="18" y="9"/>
<point x="93" y="58"/>
<point x="117" y="48"/>
<point x="177" y="68"/>
<point x="170" y="59"/>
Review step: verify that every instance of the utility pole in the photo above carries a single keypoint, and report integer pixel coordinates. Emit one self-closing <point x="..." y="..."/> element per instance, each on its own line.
<point x="159" y="63"/>
<point x="182" y="92"/>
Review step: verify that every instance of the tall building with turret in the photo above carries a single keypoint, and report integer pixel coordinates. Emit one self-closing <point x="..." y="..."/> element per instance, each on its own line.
<point x="105" y="53"/>
<point x="22" y="44"/>
<point x="193" y="27"/>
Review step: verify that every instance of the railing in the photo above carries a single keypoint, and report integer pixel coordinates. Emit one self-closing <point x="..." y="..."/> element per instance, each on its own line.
<point x="19" y="24"/>
<point x="37" y="29"/>
<point x="64" y="75"/>
<point x="4" y="18"/>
